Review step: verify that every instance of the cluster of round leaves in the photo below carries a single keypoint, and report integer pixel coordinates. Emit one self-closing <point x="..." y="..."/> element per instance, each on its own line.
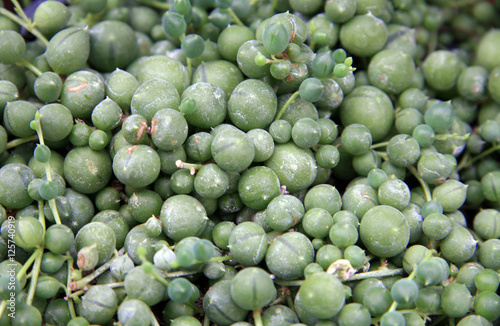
<point x="227" y="143"/>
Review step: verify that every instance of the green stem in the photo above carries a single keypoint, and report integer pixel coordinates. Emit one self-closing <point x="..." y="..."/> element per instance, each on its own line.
<point x="376" y="274"/>
<point x="159" y="277"/>
<point x="71" y="306"/>
<point x="221" y="258"/>
<point x="355" y="277"/>
<point x="478" y="157"/>
<point x="19" y="141"/>
<point x="287" y="104"/>
<point x="3" y="305"/>
<point x="19" y="9"/>
<point x="55" y="212"/>
<point x="257" y="317"/>
<point x="154" y="322"/>
<point x="206" y="321"/>
<point x="92" y="19"/>
<point x="41" y="215"/>
<point x="444" y="137"/>
<point x="275" y="59"/>
<point x="74" y="295"/>
<point x="289" y="302"/>
<point x="378" y="145"/>
<point x="34" y="278"/>
<point x="433" y="244"/>
<point x="189" y="67"/>
<point x="155" y="4"/>
<point x="424" y="184"/>
<point x="77" y="300"/>
<point x="278" y="299"/>
<point x="271" y="9"/>
<point x="27" y="264"/>
<point x="40" y="132"/>
<point x="235" y="18"/>
<point x="115" y="285"/>
<point x="464" y="162"/>
<point x="312" y="44"/>
<point x="29" y="27"/>
<point x="288" y="283"/>
<point x="189" y="166"/>
<point x="421" y="314"/>
<point x="393" y="307"/>
<point x="89" y="278"/>
<point x="48" y="169"/>
<point x="30" y="66"/>
<point x="179" y="274"/>
<point x="383" y="155"/>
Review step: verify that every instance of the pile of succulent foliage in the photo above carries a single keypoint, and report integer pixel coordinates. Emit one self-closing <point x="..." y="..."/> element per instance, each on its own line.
<point x="250" y="162"/>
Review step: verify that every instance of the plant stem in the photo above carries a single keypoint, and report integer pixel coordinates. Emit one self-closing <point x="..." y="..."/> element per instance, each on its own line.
<point x="19" y="141"/>
<point x="115" y="285"/>
<point x="206" y="321"/>
<point x="393" y="307"/>
<point x="443" y="137"/>
<point x="312" y="44"/>
<point x="235" y="18"/>
<point x="34" y="278"/>
<point x="159" y="278"/>
<point x="48" y="169"/>
<point x="179" y="274"/>
<point x="19" y="9"/>
<point x="3" y="305"/>
<point x="189" y="67"/>
<point x="71" y="306"/>
<point x="84" y="281"/>
<point x="376" y="274"/>
<point x="257" y="317"/>
<point x="30" y="66"/>
<point x="421" y="314"/>
<point x="424" y="184"/>
<point x="41" y="215"/>
<point x="464" y="162"/>
<point x="189" y="166"/>
<point x="75" y="294"/>
<point x="27" y="264"/>
<point x="289" y="302"/>
<point x="271" y="9"/>
<point x="378" y="145"/>
<point x="154" y="321"/>
<point x="55" y="212"/>
<point x="478" y="157"/>
<point x="29" y="27"/>
<point x="355" y="277"/>
<point x="278" y="299"/>
<point x="221" y="258"/>
<point x="287" y="104"/>
<point x="155" y="4"/>
<point x="383" y="155"/>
